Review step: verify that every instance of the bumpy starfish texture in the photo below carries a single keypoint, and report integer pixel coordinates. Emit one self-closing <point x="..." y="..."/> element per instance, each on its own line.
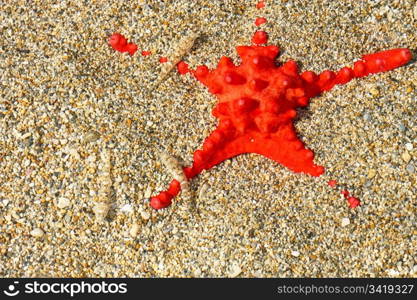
<point x="257" y="102"/>
<point x="119" y="43"/>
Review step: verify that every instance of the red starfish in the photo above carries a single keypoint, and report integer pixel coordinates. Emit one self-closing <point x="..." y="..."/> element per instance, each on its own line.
<point x="257" y="103"/>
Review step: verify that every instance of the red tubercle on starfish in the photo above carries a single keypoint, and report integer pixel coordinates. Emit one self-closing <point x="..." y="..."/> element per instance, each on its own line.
<point x="382" y="61"/>
<point x="260" y="4"/>
<point x="146" y="53"/>
<point x="164" y="198"/>
<point x="345" y="193"/>
<point x="182" y="68"/>
<point x="119" y="43"/>
<point x="257" y="102"/>
<point x="353" y="202"/>
<point x="260" y="37"/>
<point x="163" y="59"/>
<point x="260" y="21"/>
<point x="332" y="183"/>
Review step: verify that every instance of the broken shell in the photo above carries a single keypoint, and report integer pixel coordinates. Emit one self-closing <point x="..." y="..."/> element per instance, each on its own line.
<point x="101" y="209"/>
<point x="134" y="230"/>
<point x="37" y="232"/>
<point x="63" y="202"/>
<point x="91" y="136"/>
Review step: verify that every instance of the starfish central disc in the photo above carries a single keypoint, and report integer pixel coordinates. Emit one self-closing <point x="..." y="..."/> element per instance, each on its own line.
<point x="256" y="107"/>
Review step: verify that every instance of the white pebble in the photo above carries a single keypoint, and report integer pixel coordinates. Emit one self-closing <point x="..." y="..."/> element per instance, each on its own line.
<point x="101" y="209"/>
<point x="406" y="156"/>
<point x="26" y="163"/>
<point x="63" y="202"/>
<point x="134" y="230"/>
<point x="392" y="272"/>
<point x="74" y="154"/>
<point x="235" y="270"/>
<point x="295" y="253"/>
<point x="409" y="146"/>
<point x="37" y="232"/>
<point x="197" y="273"/>
<point x="148" y="192"/>
<point x="145" y="215"/>
<point x="345" y="222"/>
<point x="127" y="208"/>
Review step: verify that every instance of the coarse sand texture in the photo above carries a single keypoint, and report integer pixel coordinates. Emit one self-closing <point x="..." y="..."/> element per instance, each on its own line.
<point x="90" y="132"/>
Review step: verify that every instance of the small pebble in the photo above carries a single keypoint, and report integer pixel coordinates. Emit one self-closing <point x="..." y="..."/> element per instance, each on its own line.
<point x="127" y="208"/>
<point x="148" y="192"/>
<point x="145" y="215"/>
<point x="295" y="253"/>
<point x="197" y="272"/>
<point x="101" y="210"/>
<point x="367" y="117"/>
<point x="406" y="156"/>
<point x="392" y="272"/>
<point x="410" y="168"/>
<point x="134" y="230"/>
<point x="371" y="173"/>
<point x="74" y="153"/>
<point x="37" y="232"/>
<point x="235" y="270"/>
<point x="409" y="146"/>
<point x="374" y="91"/>
<point x="91" y="136"/>
<point x="345" y="222"/>
<point x="63" y="202"/>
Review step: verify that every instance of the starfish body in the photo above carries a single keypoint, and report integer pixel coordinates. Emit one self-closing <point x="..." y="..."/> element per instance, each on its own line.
<point x="257" y="102"/>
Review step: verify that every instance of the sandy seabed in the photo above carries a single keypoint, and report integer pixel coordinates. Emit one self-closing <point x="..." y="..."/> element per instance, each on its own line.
<point x="72" y="110"/>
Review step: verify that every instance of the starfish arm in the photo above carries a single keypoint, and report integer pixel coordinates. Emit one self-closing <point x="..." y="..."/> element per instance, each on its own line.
<point x="119" y="43"/>
<point x="205" y="158"/>
<point x="164" y="198"/>
<point x="289" y="153"/>
<point x="283" y="147"/>
<point x="369" y="64"/>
